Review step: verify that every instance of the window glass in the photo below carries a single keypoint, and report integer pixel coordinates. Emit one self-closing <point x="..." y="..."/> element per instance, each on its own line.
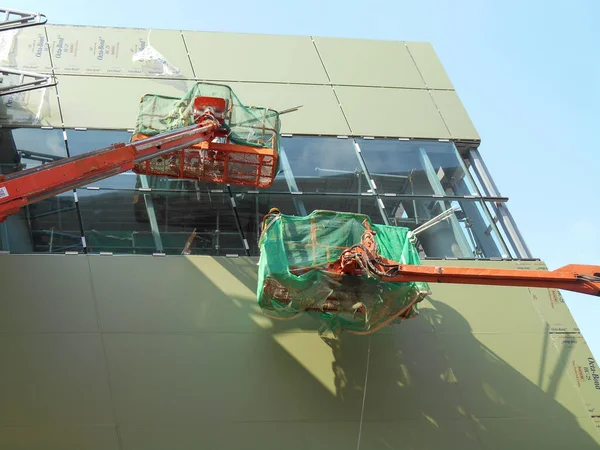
<point x="253" y="207"/>
<point x="465" y="234"/>
<point x="317" y="164"/>
<point x="50" y="225"/>
<point x="122" y="222"/>
<point x="415" y="167"/>
<point x="500" y="233"/>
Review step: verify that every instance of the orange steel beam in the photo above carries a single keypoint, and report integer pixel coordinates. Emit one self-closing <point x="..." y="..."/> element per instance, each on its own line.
<point x="32" y="185"/>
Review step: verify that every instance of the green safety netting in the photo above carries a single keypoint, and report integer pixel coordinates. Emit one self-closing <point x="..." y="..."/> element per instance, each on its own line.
<point x="290" y="242"/>
<point x="248" y="125"/>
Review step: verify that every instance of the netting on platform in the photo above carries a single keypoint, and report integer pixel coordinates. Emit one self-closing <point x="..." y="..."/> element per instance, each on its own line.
<point x="290" y="245"/>
<point x="247" y="125"/>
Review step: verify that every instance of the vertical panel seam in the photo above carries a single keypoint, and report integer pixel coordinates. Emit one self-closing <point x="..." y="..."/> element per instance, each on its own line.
<point x="362" y="409"/>
<point x="104" y="352"/>
<point x="429" y="91"/>
<point x="188" y="54"/>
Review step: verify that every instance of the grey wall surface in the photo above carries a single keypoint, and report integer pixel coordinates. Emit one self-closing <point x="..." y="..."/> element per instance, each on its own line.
<point x="143" y="353"/>
<point x="345" y="86"/>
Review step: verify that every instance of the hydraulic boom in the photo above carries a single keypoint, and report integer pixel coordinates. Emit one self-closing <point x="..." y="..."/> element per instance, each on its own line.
<point x="32" y="185"/>
<point x="363" y="259"/>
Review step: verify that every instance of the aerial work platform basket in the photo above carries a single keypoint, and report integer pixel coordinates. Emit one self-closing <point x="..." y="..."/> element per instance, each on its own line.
<point x="356" y="276"/>
<point x="293" y="277"/>
<point x="244" y="154"/>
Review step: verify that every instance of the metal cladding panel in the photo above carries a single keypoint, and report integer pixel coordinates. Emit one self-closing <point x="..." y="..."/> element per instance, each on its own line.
<point x="186" y="359"/>
<point x="254" y="57"/>
<point x="27" y="307"/>
<point x="108" y="51"/>
<point x="93" y="437"/>
<point x="107" y="102"/>
<point x="53" y="379"/>
<point x="361" y="62"/>
<point x="37" y="108"/>
<point x="429" y="65"/>
<point x="391" y="112"/>
<point x="320" y="112"/>
<point x="249" y="435"/>
<point x="25" y="49"/>
<point x="455" y="115"/>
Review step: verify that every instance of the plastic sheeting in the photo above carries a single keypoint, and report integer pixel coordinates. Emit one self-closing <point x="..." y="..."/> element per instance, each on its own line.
<point x="289" y="245"/>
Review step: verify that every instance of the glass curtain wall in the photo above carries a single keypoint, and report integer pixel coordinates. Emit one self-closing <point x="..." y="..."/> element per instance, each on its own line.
<point x="414" y="182"/>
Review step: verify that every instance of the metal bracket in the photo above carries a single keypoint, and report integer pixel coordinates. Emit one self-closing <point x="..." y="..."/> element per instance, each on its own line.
<point x="39" y="81"/>
<point x="24" y="19"/>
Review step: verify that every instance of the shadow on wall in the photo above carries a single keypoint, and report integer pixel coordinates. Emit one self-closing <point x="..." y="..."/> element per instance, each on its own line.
<point x="431" y="390"/>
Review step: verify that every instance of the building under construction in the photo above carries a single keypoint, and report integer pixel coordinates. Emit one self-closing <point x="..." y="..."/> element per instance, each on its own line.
<point x="129" y="316"/>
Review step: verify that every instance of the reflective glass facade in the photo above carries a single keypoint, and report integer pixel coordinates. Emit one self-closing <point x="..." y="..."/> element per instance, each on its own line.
<point x="394" y="181"/>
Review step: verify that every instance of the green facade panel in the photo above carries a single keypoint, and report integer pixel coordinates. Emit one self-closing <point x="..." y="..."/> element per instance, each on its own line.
<point x="93" y="437"/>
<point x="52" y="304"/>
<point x="249" y="435"/>
<point x="429" y="65"/>
<point x="57" y="380"/>
<point x="455" y="116"/>
<point x="361" y="62"/>
<point x="110" y="103"/>
<point x="391" y="112"/>
<point x="109" y="51"/>
<point x="320" y="112"/>
<point x="254" y="57"/>
<point x="184" y="359"/>
<point x="25" y="49"/>
<point x="35" y="108"/>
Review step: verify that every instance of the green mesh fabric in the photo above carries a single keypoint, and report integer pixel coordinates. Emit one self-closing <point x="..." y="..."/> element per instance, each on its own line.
<point x="258" y="127"/>
<point x="290" y="242"/>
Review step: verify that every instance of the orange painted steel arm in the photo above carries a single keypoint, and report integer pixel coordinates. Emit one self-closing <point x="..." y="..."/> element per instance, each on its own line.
<point x="32" y="185"/>
<point x="578" y="278"/>
<point x="363" y="259"/>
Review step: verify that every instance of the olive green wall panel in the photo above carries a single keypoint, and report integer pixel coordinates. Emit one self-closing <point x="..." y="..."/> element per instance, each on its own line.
<point x="184" y="359"/>
<point x="425" y="432"/>
<point x="109" y="51"/>
<point x="550" y="304"/>
<point x="549" y="434"/>
<point x="429" y="65"/>
<point x="582" y="367"/>
<point x="455" y="115"/>
<point x="320" y="112"/>
<point x="176" y="379"/>
<point x="479" y="309"/>
<point x="25" y="49"/>
<point x="249" y="435"/>
<point x="254" y="57"/>
<point x="391" y="112"/>
<point x="94" y="437"/>
<point x="192" y="295"/>
<point x="110" y="102"/>
<point x="362" y="62"/>
<point x="53" y="380"/>
<point x="31" y="108"/>
<point x="46" y="294"/>
<point x="513" y="375"/>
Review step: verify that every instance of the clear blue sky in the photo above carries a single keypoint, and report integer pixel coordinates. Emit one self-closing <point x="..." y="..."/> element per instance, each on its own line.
<point x="528" y="73"/>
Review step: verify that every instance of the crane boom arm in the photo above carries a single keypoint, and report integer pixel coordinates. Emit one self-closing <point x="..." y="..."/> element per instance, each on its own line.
<point x="364" y="259"/>
<point x="584" y="279"/>
<point x="32" y="185"/>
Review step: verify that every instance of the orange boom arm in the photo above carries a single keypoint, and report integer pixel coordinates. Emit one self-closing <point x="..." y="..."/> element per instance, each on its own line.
<point x="363" y="259"/>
